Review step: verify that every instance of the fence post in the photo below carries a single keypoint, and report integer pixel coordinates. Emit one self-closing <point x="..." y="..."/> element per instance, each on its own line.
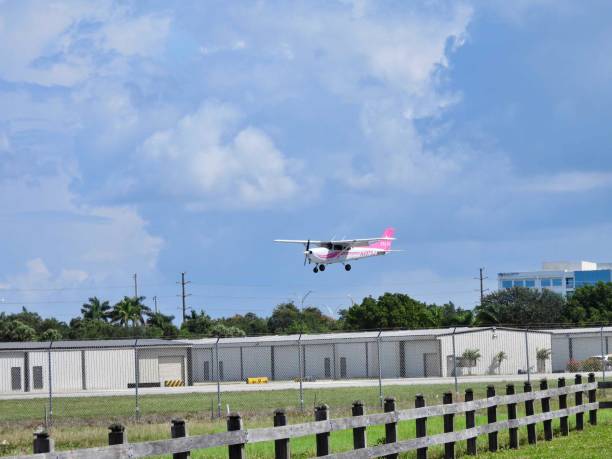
<point x="548" y="433"/>
<point x="390" y="427"/>
<point x="527" y="355"/>
<point x="179" y="430"/>
<point x="491" y="418"/>
<point x="42" y="443"/>
<point x="513" y="431"/>
<point x="593" y="399"/>
<point x="136" y="380"/>
<point x="301" y="372"/>
<point x="578" y="398"/>
<point x="449" y="448"/>
<point x="234" y="422"/>
<point x="470" y="422"/>
<point x="116" y="435"/>
<point x="421" y="425"/>
<point x="531" y="428"/>
<point x="380" y="390"/>
<point x="281" y="447"/>
<point x="564" y="427"/>
<point x="218" y="378"/>
<point x="359" y="433"/>
<point x="322" y="439"/>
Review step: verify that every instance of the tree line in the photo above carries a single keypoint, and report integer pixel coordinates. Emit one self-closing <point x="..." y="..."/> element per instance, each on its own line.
<point x="131" y="317"/>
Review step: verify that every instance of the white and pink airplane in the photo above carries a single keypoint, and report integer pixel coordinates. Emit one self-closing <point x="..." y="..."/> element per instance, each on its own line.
<point x="343" y="251"/>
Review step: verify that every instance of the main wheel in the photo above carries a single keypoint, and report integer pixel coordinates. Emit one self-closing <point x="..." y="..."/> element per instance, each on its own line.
<point x="321" y="268"/>
<point x="315" y="270"/>
<point x="347" y="267"/>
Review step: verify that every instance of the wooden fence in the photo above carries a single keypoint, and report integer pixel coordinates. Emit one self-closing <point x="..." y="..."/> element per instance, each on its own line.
<point x="236" y="437"/>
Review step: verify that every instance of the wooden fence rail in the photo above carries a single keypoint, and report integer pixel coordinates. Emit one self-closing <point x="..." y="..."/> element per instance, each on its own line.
<point x="236" y="437"/>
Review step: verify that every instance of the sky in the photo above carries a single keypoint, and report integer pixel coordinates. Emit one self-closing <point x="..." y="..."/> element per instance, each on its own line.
<point x="160" y="137"/>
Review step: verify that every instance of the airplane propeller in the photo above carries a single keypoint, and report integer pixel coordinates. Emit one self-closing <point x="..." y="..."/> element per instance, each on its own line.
<point x="306" y="252"/>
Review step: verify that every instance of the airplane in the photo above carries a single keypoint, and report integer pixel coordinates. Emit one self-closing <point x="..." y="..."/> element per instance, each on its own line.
<point x="343" y="251"/>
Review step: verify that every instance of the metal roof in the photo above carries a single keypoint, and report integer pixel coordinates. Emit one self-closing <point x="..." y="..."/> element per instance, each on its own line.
<point x="575" y="331"/>
<point x="90" y="344"/>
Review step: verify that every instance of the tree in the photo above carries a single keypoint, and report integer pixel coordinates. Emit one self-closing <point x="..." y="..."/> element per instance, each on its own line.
<point x="250" y="323"/>
<point x="223" y="331"/>
<point x="14" y="330"/>
<point x="197" y="324"/>
<point x="542" y="355"/>
<point x="590" y="304"/>
<point x="163" y="323"/>
<point x="130" y="309"/>
<point x="520" y="306"/>
<point x="95" y="309"/>
<point x="51" y="335"/>
<point x="287" y="318"/>
<point x="391" y="310"/>
<point x="471" y="357"/>
<point x="499" y="358"/>
<point x="448" y="315"/>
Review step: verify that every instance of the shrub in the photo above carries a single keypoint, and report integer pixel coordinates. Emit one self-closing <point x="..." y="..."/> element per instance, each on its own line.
<point x="573" y="365"/>
<point x="592" y="364"/>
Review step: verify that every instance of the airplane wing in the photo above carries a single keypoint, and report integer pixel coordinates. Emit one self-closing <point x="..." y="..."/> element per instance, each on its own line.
<point x="346" y="243"/>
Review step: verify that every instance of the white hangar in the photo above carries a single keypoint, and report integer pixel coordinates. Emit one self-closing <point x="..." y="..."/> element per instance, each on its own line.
<point x="579" y="344"/>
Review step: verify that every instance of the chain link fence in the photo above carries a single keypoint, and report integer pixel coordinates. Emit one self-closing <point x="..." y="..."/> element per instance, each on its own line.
<point x="98" y="382"/>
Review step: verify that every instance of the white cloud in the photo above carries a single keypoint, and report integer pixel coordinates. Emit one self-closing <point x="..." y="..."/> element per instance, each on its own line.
<point x="62" y="43"/>
<point x="212" y="161"/>
<point x="569" y="182"/>
<point x="64" y="241"/>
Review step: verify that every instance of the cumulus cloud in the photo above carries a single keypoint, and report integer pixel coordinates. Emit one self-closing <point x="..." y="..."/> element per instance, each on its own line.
<point x="213" y="161"/>
<point x="78" y="242"/>
<point x="64" y="43"/>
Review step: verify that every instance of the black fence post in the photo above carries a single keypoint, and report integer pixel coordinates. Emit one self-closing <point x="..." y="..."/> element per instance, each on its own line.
<point x="322" y="439"/>
<point x="179" y="430"/>
<point x="449" y="448"/>
<point x="593" y="399"/>
<point x="578" y="398"/>
<point x="492" y="418"/>
<point x="116" y="435"/>
<point x="42" y="443"/>
<point x="421" y="426"/>
<point x="359" y="433"/>
<point x="548" y="433"/>
<point x="281" y="447"/>
<point x="513" y="431"/>
<point x="234" y="422"/>
<point x="390" y="427"/>
<point x="563" y="424"/>
<point x="531" y="428"/>
<point x="470" y="421"/>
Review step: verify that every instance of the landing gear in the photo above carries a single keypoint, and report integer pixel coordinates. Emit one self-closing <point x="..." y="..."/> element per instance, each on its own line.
<point x="315" y="270"/>
<point x="347" y="267"/>
<point x="321" y="268"/>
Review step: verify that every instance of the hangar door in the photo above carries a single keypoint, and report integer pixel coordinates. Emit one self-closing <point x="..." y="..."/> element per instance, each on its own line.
<point x="170" y="368"/>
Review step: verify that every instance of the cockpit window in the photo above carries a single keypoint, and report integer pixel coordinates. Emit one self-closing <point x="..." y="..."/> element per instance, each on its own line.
<point x="338" y="247"/>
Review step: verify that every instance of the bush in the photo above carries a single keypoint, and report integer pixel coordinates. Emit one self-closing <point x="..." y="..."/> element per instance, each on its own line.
<point x="592" y="364"/>
<point x="573" y="365"/>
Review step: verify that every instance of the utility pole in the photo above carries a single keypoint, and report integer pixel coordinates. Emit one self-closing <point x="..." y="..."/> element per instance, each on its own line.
<point x="155" y="301"/>
<point x="184" y="295"/>
<point x="135" y="285"/>
<point x="482" y="289"/>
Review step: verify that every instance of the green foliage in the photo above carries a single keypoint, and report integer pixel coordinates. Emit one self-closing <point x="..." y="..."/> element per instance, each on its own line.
<point x="471" y="356"/>
<point x="500" y="357"/>
<point x="287" y="318"/>
<point x="130" y="310"/>
<point x="223" y="331"/>
<point x="543" y="354"/>
<point x="520" y="306"/>
<point x="95" y="309"/>
<point x="590" y="304"/>
<point x="50" y="335"/>
<point x="250" y="323"/>
<point x="196" y="324"/>
<point x="163" y="323"/>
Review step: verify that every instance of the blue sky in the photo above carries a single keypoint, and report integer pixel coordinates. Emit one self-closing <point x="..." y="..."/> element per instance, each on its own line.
<point x="158" y="137"/>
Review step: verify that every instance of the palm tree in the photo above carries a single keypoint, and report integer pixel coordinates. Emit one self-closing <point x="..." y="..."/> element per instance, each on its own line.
<point x="499" y="358"/>
<point x="96" y="310"/>
<point x="471" y="356"/>
<point x="130" y="309"/>
<point x="542" y="355"/>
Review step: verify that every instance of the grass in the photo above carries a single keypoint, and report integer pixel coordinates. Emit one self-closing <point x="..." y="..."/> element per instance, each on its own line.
<point x="82" y="422"/>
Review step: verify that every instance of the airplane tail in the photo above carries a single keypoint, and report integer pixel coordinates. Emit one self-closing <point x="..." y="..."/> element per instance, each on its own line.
<point x="384" y="244"/>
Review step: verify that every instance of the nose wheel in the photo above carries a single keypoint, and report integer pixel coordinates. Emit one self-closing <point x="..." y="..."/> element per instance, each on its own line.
<point x="347" y="267"/>
<point x="315" y="270"/>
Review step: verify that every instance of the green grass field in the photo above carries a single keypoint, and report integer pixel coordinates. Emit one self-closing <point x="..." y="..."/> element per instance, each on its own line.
<point x="82" y="422"/>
